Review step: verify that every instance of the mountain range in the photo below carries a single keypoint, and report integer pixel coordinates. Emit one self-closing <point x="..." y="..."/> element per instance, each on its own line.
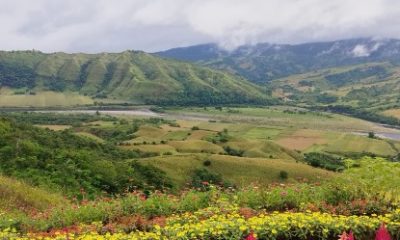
<point x="264" y="62"/>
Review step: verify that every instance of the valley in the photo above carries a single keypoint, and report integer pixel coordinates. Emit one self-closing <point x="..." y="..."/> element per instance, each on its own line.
<point x="128" y="166"/>
<point x="199" y="120"/>
<point x="135" y="146"/>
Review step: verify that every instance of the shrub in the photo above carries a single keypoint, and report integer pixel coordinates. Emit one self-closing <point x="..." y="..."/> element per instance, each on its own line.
<point x="233" y="152"/>
<point x="207" y="163"/>
<point x="371" y="135"/>
<point x="283" y="175"/>
<point x="201" y="178"/>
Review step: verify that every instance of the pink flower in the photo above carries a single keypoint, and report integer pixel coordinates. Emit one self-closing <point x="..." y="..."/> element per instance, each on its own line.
<point x="351" y="236"/>
<point x="382" y="233"/>
<point x="346" y="236"/>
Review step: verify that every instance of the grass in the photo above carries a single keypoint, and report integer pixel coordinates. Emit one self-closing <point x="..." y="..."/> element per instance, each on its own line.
<point x="151" y="132"/>
<point x="150" y="148"/>
<point x="44" y="99"/>
<point x="260" y="133"/>
<point x="302" y="139"/>
<point x="55" y="127"/>
<point x="393" y="113"/>
<point x="196" y="146"/>
<point x="276" y="118"/>
<point x="91" y="136"/>
<point x="200" y="134"/>
<point x="176" y="135"/>
<point x="239" y="170"/>
<point x="354" y="143"/>
<point x="18" y="195"/>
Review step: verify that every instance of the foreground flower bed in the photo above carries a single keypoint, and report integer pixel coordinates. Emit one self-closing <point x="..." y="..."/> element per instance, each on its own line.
<point x="214" y="223"/>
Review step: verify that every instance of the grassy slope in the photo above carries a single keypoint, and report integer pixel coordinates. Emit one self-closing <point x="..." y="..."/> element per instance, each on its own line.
<point x="129" y="76"/>
<point x="239" y="170"/>
<point x="18" y="195"/>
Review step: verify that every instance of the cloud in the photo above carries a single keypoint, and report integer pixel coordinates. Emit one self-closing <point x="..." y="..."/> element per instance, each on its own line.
<point x="361" y="51"/>
<point x="103" y="25"/>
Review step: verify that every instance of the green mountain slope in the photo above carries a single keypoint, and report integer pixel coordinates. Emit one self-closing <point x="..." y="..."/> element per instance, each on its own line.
<point x="131" y="76"/>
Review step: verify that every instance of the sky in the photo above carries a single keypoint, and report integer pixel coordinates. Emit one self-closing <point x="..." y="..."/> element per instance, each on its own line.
<point x="154" y="25"/>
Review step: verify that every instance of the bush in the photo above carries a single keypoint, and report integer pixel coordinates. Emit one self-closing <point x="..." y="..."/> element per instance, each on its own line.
<point x="283" y="175"/>
<point x="201" y="178"/>
<point x="233" y="152"/>
<point x="207" y="163"/>
<point x="371" y="135"/>
<point x="323" y="160"/>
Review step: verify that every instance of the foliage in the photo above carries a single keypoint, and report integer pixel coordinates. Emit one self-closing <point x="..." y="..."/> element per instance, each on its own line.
<point x="356" y="75"/>
<point x="233" y="152"/>
<point x="202" y="178"/>
<point x="362" y="114"/>
<point x="323" y="160"/>
<point x="56" y="119"/>
<point x="16" y="75"/>
<point x="62" y="160"/>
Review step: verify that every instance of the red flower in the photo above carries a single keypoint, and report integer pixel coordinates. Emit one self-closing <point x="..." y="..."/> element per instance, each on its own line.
<point x="251" y="236"/>
<point x="382" y="233"/>
<point x="205" y="183"/>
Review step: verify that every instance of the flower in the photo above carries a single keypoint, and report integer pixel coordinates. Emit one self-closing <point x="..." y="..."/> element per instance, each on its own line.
<point x="351" y="236"/>
<point x="344" y="236"/>
<point x="382" y="233"/>
<point x="251" y="236"/>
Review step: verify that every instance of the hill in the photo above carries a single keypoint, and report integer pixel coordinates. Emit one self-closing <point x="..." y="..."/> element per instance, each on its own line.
<point x="130" y="76"/>
<point x="371" y="87"/>
<point x="264" y="62"/>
